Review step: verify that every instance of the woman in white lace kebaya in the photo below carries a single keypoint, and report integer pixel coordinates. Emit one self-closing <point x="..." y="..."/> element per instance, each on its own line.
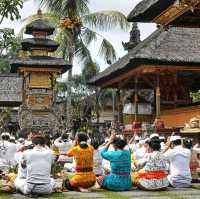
<point x="152" y="173"/>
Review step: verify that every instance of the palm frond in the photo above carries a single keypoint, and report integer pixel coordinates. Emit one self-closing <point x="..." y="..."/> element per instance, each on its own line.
<point x="106" y="20"/>
<point x="66" y="7"/>
<point x="88" y="36"/>
<point x="90" y="70"/>
<point x="107" y="51"/>
<point x="83" y="54"/>
<point x="64" y="39"/>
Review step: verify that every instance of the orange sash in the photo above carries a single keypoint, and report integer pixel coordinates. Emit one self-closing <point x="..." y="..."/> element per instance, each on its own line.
<point x="153" y="175"/>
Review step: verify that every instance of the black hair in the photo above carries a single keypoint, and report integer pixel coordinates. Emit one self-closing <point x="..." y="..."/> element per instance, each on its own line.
<point x="82" y="139"/>
<point x="177" y="142"/>
<point x="65" y="137"/>
<point x="187" y="143"/>
<point x="38" y="140"/>
<point x="95" y="144"/>
<point x="154" y="143"/>
<point x="34" y="131"/>
<point x="147" y="141"/>
<point x="47" y="140"/>
<point x="119" y="143"/>
<point x="162" y="140"/>
<point x="56" y="135"/>
<point x="5" y="137"/>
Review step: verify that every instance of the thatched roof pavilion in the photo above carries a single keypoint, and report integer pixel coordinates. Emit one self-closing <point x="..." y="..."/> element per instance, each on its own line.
<point x="176" y="49"/>
<point x="168" y="61"/>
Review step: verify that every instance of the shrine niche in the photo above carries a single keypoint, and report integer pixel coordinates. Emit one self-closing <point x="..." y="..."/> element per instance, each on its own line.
<point x="39" y="80"/>
<point x="39" y="72"/>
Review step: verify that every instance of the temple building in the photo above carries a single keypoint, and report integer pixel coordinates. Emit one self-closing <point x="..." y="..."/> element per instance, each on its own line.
<point x="168" y="62"/>
<point x="39" y="71"/>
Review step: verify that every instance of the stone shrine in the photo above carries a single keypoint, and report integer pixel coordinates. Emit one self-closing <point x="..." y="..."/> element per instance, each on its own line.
<point x="39" y="72"/>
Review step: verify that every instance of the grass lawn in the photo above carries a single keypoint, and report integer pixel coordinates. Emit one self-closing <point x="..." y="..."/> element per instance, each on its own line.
<point x="102" y="194"/>
<point x="106" y="195"/>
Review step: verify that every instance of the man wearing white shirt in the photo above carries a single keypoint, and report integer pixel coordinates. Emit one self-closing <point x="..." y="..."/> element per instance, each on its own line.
<point x="7" y="152"/>
<point x="179" y="163"/>
<point x="38" y="162"/>
<point x="21" y="172"/>
<point x="63" y="144"/>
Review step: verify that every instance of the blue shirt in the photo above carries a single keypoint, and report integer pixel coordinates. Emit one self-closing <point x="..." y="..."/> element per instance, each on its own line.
<point x="120" y="163"/>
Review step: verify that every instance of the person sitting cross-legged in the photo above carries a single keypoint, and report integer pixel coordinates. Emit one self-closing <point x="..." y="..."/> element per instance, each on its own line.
<point x="38" y="162"/>
<point x="82" y="153"/>
<point x="119" y="178"/>
<point x="152" y="169"/>
<point x="179" y="163"/>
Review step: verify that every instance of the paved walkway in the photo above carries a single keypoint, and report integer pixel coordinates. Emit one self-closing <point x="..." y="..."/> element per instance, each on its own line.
<point x="171" y="193"/>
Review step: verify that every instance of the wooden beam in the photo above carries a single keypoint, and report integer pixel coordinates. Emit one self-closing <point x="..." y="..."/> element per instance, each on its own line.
<point x="158" y="97"/>
<point x="174" y="11"/>
<point x="32" y="69"/>
<point x="119" y="78"/>
<point x="175" y="90"/>
<point x="124" y="82"/>
<point x="136" y="98"/>
<point x="148" y="81"/>
<point x="147" y="69"/>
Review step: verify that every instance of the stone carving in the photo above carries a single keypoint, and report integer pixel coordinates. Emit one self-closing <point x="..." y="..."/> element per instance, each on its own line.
<point x="38" y="119"/>
<point x="10" y="88"/>
<point x="134" y="38"/>
<point x="25" y="117"/>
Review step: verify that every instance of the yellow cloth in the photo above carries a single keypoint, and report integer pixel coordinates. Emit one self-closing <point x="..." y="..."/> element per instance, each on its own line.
<point x="56" y="151"/>
<point x="135" y="176"/>
<point x="84" y="160"/>
<point x="7" y="184"/>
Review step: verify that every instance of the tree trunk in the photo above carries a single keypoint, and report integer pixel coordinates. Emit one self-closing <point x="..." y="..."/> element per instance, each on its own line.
<point x="69" y="93"/>
<point x="97" y="105"/>
<point x="69" y="82"/>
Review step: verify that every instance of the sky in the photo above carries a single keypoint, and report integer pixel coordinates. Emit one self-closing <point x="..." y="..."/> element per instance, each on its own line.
<point x="115" y="36"/>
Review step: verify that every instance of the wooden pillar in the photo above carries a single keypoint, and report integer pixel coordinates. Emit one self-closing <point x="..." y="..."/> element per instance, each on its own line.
<point x="136" y="98"/>
<point x="118" y="104"/>
<point x="175" y="90"/>
<point x="119" y="107"/>
<point x="158" y="97"/>
<point x="113" y="104"/>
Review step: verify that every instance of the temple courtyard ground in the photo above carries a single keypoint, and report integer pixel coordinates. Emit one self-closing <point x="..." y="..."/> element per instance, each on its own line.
<point x="171" y="193"/>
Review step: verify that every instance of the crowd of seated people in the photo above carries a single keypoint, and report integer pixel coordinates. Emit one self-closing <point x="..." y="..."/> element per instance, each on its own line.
<point x="151" y="163"/>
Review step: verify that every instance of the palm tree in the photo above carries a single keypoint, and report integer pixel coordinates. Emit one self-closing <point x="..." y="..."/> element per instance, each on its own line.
<point x="10" y="9"/>
<point x="76" y="32"/>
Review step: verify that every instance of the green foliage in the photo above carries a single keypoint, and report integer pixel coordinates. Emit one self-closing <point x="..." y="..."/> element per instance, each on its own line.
<point x="88" y="36"/>
<point x="74" y="42"/>
<point x="107" y="51"/>
<point x="82" y="38"/>
<point x="114" y="195"/>
<point x="195" y="96"/>
<point x="10" y="9"/>
<point x="9" y="48"/>
<point x="5" y="118"/>
<point x="9" y="44"/>
<point x="105" y="20"/>
<point x="90" y="70"/>
<point x="4" y="65"/>
<point x="63" y="8"/>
